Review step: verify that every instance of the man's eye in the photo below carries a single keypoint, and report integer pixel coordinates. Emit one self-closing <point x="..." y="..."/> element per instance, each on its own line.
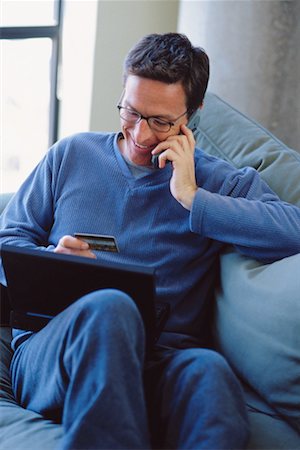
<point x="131" y="114"/>
<point x="159" y="122"/>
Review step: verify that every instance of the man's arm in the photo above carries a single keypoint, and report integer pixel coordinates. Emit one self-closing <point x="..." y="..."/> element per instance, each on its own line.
<point x="246" y="213"/>
<point x="235" y="207"/>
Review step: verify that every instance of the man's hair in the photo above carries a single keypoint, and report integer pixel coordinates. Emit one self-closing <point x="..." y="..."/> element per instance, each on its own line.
<point x="171" y="58"/>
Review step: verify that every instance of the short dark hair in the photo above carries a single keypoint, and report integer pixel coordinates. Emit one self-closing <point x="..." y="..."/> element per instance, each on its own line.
<point x="171" y="58"/>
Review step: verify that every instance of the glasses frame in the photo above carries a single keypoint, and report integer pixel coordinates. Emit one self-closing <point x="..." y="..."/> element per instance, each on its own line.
<point x="141" y="117"/>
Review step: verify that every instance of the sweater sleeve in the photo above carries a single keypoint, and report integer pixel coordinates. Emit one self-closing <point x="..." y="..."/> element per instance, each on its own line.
<point x="29" y="215"/>
<point x="245" y="212"/>
<point x="27" y="220"/>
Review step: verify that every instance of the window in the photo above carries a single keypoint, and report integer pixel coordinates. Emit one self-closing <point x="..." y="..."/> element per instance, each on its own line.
<point x="30" y="35"/>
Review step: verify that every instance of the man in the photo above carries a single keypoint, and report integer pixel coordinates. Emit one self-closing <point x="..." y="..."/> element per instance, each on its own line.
<point x="86" y="368"/>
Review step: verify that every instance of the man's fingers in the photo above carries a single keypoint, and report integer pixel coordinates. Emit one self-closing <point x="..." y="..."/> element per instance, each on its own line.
<point x="73" y="243"/>
<point x="189" y="135"/>
<point x="69" y="245"/>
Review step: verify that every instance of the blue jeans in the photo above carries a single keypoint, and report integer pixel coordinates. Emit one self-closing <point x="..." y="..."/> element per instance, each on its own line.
<point x="86" y="369"/>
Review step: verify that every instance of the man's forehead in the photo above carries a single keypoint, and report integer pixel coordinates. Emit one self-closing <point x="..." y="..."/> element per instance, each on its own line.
<point x="161" y="97"/>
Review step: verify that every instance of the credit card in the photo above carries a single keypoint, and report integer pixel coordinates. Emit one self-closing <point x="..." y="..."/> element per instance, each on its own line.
<point x="99" y="242"/>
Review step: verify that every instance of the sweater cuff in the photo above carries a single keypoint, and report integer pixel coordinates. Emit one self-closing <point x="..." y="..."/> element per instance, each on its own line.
<point x="197" y="211"/>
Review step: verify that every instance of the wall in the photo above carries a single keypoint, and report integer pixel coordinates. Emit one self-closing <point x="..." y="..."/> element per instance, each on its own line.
<point x="255" y="57"/>
<point x="120" y="25"/>
<point x="76" y="68"/>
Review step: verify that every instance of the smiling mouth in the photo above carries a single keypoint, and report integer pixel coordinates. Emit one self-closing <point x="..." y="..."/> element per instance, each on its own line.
<point x="144" y="147"/>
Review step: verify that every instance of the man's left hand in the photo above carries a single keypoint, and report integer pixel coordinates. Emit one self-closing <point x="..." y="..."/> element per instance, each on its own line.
<point x="180" y="149"/>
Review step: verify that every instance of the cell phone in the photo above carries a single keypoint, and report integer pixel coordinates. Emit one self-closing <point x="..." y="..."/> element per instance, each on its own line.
<point x="99" y="242"/>
<point x="155" y="162"/>
<point x="194" y="121"/>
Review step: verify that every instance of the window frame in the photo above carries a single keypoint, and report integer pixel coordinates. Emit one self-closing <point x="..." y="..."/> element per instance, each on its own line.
<point x="53" y="32"/>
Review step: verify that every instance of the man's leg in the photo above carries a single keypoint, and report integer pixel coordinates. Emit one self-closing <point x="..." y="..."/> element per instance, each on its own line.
<point x="86" y="367"/>
<point x="195" y="401"/>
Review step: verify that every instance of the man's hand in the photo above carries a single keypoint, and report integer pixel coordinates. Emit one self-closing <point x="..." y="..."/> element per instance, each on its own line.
<point x="70" y="245"/>
<point x="179" y="149"/>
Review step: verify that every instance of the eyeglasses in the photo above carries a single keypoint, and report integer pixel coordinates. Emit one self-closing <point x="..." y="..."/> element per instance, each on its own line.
<point x="155" y="123"/>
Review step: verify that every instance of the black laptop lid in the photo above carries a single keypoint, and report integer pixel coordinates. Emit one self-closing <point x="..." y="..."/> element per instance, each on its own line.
<point x="41" y="284"/>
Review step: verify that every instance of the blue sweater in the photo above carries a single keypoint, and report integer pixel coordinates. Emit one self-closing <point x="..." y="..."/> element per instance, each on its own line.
<point x="83" y="184"/>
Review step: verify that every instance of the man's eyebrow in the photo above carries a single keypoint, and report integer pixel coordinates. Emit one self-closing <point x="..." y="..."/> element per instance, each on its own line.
<point x="158" y="116"/>
<point x="128" y="105"/>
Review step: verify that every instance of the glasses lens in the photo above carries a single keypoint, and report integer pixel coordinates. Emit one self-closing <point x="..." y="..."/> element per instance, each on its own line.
<point x="133" y="117"/>
<point x="159" y="125"/>
<point x="128" y="115"/>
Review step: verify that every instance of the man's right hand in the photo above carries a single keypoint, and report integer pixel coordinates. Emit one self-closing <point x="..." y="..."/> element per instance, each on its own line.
<point x="70" y="245"/>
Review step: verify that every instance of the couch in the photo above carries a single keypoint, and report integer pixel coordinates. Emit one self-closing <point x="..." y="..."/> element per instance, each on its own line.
<point x="257" y="306"/>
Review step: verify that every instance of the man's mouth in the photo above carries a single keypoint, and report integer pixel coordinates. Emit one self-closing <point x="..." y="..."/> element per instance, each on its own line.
<point x="147" y="148"/>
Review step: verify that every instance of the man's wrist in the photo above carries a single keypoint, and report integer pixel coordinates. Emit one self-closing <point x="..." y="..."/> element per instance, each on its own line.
<point x="188" y="199"/>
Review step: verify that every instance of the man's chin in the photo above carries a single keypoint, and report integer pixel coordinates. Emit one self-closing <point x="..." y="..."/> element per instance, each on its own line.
<point x="143" y="162"/>
<point x="140" y="158"/>
<point x="134" y="154"/>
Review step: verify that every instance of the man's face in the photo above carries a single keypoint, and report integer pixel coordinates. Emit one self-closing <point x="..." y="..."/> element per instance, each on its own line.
<point x="150" y="98"/>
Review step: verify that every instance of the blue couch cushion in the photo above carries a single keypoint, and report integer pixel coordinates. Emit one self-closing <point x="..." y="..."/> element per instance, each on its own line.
<point x="257" y="328"/>
<point x="224" y="132"/>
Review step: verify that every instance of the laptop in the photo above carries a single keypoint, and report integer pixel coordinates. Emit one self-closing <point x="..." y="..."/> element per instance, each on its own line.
<point x="41" y="284"/>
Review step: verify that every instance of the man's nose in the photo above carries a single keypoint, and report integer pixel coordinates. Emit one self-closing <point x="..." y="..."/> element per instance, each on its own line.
<point x="142" y="131"/>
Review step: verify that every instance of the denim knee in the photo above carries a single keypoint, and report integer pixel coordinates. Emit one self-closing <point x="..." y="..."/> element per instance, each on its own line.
<point x="203" y="359"/>
<point x="209" y="360"/>
<point x="105" y="301"/>
<point x="202" y="364"/>
<point x="106" y="310"/>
